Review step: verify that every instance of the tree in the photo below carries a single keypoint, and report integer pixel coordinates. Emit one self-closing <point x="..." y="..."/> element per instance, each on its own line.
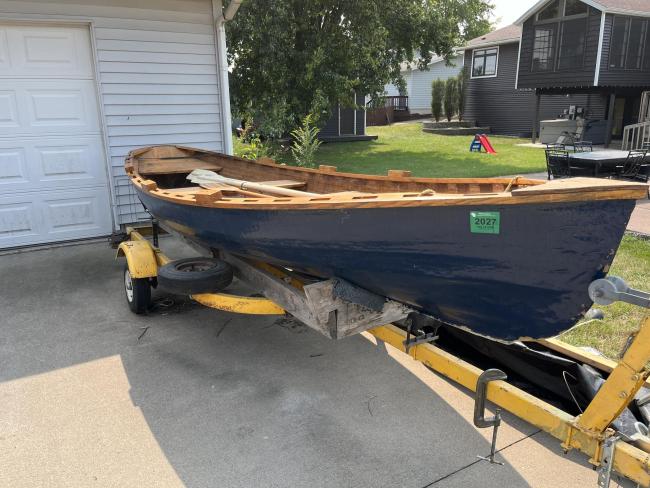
<point x="291" y="58"/>
<point x="461" y="84"/>
<point x="451" y="98"/>
<point x="437" y="96"/>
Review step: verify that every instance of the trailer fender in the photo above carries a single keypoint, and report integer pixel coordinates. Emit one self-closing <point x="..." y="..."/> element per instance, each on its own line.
<point x="140" y="258"/>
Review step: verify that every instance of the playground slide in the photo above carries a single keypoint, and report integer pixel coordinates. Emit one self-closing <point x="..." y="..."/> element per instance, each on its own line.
<point x="486" y="144"/>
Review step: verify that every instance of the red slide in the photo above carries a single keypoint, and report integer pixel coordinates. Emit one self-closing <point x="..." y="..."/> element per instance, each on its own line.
<point x="486" y="144"/>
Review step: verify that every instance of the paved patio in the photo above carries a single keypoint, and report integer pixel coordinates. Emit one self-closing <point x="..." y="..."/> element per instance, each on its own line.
<point x="93" y="395"/>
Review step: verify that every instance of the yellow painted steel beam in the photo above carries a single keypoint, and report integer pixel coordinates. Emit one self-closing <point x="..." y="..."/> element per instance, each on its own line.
<point x="144" y="259"/>
<point x="238" y="304"/>
<point x="599" y="362"/>
<point x="629" y="461"/>
<point x="622" y="384"/>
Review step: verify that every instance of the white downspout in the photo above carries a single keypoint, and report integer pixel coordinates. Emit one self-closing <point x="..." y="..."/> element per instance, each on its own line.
<point x="220" y="18"/>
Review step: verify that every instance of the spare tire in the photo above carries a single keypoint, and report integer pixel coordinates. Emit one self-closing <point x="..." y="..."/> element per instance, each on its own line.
<point x="195" y="275"/>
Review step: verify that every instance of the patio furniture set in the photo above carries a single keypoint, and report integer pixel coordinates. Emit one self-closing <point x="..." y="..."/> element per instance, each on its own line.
<point x="580" y="159"/>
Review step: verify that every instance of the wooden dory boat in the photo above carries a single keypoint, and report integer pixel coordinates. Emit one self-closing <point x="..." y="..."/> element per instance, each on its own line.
<point x="505" y="258"/>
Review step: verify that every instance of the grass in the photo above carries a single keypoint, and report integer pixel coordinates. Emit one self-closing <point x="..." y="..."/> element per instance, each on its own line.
<point x="405" y="146"/>
<point x="632" y="263"/>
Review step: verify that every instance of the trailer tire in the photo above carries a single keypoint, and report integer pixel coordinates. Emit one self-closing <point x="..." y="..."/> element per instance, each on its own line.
<point x="138" y="292"/>
<point x="192" y="276"/>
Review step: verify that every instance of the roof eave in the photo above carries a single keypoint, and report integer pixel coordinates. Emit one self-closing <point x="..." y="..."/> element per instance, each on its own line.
<point x="621" y="11"/>
<point x="492" y="43"/>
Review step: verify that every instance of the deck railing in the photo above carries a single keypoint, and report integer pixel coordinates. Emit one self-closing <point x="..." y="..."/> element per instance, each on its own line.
<point x="398" y="102"/>
<point x="635" y="135"/>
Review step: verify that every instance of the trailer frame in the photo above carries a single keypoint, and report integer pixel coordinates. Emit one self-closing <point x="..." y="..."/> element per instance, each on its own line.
<point x="589" y="432"/>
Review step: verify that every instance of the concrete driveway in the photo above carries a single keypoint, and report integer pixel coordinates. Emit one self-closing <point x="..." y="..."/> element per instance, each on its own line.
<point x="93" y="395"/>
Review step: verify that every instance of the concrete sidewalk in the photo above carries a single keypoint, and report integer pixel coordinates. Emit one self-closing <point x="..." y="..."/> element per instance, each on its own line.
<point x="93" y="395"/>
<point x="640" y="220"/>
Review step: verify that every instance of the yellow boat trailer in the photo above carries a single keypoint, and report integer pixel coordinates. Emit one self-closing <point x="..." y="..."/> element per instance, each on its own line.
<point x="589" y="432"/>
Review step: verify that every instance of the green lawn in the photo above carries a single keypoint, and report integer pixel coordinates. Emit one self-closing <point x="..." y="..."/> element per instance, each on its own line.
<point x="632" y="263"/>
<point x="405" y="146"/>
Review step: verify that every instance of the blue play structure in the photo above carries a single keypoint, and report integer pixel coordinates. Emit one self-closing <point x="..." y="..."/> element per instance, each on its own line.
<point x="481" y="141"/>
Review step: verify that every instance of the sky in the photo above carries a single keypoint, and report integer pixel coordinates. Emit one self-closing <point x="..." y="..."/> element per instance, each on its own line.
<point x="507" y="11"/>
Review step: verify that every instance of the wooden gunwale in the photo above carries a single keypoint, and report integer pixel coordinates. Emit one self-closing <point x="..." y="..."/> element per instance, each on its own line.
<point x="523" y="191"/>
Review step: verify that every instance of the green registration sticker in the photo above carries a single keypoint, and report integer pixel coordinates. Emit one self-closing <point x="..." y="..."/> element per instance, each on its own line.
<point x="484" y="222"/>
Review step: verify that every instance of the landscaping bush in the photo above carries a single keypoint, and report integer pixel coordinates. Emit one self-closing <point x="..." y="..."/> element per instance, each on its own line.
<point x="461" y="86"/>
<point x="451" y="98"/>
<point x="437" y="96"/>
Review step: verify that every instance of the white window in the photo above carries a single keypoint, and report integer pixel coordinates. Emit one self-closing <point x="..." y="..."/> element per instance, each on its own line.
<point x="484" y="62"/>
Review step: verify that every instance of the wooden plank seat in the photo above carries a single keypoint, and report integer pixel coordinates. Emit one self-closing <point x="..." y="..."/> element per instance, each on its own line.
<point x="283" y="183"/>
<point x="174" y="165"/>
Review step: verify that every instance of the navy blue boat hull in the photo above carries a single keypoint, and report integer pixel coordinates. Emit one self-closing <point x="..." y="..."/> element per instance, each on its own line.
<point x="530" y="280"/>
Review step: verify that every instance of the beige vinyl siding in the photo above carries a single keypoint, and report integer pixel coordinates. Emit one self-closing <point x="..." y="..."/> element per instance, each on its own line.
<point x="157" y="75"/>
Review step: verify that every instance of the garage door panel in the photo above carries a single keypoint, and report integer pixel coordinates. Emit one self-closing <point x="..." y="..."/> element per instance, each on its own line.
<point x="13" y="167"/>
<point x="8" y="110"/>
<point x="18" y="220"/>
<point x="4" y="51"/>
<point x="52" y="163"/>
<point x="40" y="217"/>
<point x="49" y="51"/>
<point x="48" y="107"/>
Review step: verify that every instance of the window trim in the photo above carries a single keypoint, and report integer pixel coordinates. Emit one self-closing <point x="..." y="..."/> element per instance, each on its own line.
<point x="561" y="17"/>
<point x="560" y="9"/>
<point x="645" y="51"/>
<point x="554" y="49"/>
<point x="564" y="15"/>
<point x="496" y="67"/>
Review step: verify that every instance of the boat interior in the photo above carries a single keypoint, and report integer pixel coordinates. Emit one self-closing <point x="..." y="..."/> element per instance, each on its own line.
<point x="166" y="169"/>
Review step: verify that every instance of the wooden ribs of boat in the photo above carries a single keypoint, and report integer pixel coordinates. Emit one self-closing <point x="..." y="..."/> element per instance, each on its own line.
<point x="162" y="171"/>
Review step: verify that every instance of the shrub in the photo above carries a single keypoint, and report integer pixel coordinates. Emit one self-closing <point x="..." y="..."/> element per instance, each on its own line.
<point x="305" y="142"/>
<point x="461" y="85"/>
<point x="437" y="95"/>
<point x="451" y="98"/>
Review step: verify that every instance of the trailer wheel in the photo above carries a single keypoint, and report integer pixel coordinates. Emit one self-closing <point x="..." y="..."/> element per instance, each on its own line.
<point x="192" y="276"/>
<point x="138" y="292"/>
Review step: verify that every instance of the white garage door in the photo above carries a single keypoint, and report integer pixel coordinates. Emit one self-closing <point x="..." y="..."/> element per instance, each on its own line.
<point x="53" y="182"/>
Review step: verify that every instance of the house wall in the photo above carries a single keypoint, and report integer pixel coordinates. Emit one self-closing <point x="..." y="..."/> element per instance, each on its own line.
<point x="419" y="83"/>
<point x="565" y="77"/>
<point x="495" y="102"/>
<point x="620" y="77"/>
<point x="156" y="74"/>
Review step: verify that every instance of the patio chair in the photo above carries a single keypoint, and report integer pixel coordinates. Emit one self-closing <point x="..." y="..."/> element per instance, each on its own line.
<point x="635" y="167"/>
<point x="583" y="146"/>
<point x="557" y="163"/>
<point x="555" y="146"/>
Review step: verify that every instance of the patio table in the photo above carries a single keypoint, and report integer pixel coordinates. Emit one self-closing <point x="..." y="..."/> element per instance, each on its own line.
<point x="607" y="160"/>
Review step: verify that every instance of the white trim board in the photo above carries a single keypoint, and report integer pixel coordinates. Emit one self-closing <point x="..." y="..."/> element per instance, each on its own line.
<point x="599" y="56"/>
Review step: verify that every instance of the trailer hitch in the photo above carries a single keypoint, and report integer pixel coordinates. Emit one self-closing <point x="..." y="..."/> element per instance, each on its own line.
<point x="480" y="420"/>
<point x="606" y="291"/>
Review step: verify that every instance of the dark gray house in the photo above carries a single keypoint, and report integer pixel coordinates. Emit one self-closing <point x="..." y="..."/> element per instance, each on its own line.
<point x="592" y="55"/>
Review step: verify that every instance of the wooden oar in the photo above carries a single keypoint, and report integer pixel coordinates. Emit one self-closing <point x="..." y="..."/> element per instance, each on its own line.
<point x="205" y="176"/>
<point x="224" y="187"/>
